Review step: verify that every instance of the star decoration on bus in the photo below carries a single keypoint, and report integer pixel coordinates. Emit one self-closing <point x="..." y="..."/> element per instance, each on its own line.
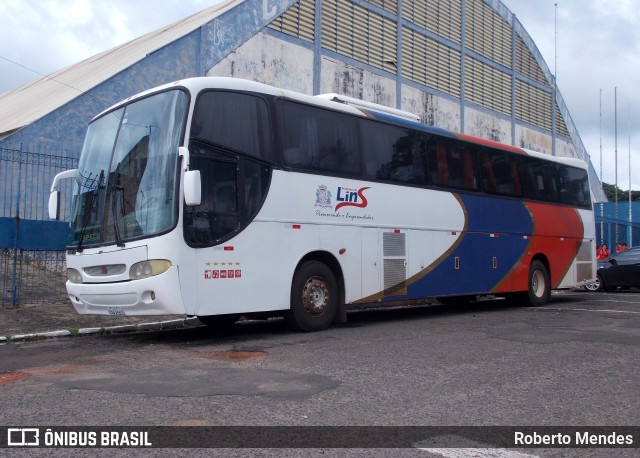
<point x="215" y="263"/>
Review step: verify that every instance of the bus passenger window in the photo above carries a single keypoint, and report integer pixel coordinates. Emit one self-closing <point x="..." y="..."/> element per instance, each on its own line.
<point x="378" y="142"/>
<point x="489" y="182"/>
<point x="515" y="176"/>
<point x="338" y="149"/>
<point x="300" y="142"/>
<point x="456" y="166"/>
<point x="442" y="164"/>
<point x="392" y="153"/>
<point x="501" y="174"/>
<point x="470" y="178"/>
<point x="319" y="139"/>
<point x="452" y="164"/>
<point x="575" y="183"/>
<point x="541" y="180"/>
<point x="239" y="122"/>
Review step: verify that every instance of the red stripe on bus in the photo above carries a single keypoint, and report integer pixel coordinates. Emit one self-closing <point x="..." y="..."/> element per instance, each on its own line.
<point x="490" y="143"/>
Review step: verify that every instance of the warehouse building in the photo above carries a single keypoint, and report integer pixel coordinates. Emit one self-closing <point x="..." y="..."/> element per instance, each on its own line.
<point x="463" y="65"/>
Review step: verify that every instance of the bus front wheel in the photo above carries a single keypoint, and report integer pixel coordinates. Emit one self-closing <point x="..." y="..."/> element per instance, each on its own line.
<point x="539" y="285"/>
<point x="314" y="298"/>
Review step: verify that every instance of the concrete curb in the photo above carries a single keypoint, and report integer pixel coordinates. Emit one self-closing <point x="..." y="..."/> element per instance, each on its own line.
<point x="153" y="326"/>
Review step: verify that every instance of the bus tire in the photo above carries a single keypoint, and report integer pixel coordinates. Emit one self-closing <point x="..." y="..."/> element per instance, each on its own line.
<point x="539" y="289"/>
<point x="314" y="298"/>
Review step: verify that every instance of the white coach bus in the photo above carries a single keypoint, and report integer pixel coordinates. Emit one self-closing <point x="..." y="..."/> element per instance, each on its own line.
<point x="220" y="197"/>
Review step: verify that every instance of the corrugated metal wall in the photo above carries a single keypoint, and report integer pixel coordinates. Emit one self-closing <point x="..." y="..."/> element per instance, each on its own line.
<point x="433" y="50"/>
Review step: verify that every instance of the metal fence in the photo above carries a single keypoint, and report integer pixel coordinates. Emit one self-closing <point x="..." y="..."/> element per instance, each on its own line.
<point x="32" y="255"/>
<point x="616" y="224"/>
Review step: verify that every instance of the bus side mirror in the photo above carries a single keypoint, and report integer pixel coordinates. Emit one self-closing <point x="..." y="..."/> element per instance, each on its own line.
<point x="54" y="205"/>
<point x="192" y="188"/>
<point x="54" y="197"/>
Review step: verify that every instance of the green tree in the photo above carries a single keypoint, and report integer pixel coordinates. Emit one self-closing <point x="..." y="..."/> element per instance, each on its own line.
<point x="610" y="193"/>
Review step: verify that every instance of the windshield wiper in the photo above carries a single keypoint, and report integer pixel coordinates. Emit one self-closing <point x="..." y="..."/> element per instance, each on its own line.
<point x="87" y="217"/>
<point x="119" y="190"/>
<point x="90" y="207"/>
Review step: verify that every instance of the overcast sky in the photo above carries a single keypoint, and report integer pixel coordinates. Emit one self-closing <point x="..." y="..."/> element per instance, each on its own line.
<point x="597" y="42"/>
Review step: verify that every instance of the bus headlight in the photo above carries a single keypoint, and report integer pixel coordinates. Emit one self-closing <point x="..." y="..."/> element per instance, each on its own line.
<point x="149" y="268"/>
<point x="74" y="276"/>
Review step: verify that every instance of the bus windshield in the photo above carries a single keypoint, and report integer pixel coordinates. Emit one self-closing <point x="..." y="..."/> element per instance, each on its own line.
<point x="127" y="174"/>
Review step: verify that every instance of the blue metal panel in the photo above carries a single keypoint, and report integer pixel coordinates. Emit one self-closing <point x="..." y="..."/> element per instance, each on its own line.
<point x="7" y="233"/>
<point x="33" y="234"/>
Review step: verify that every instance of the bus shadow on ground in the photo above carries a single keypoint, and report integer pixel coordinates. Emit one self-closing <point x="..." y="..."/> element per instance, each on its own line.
<point x="250" y="328"/>
<point x="433" y="310"/>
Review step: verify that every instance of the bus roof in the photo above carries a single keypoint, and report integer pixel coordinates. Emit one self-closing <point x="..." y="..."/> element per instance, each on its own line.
<point x="573" y="161"/>
<point x="198" y="84"/>
<point x="369" y="106"/>
<point x="344" y="104"/>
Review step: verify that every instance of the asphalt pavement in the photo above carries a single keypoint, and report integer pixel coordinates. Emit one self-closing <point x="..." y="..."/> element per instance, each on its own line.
<point x="571" y="363"/>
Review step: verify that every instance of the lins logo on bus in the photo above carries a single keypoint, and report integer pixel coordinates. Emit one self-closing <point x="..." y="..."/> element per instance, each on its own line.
<point x="345" y="197"/>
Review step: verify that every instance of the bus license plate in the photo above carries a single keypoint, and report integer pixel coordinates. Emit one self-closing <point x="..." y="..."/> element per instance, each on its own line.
<point x="119" y="311"/>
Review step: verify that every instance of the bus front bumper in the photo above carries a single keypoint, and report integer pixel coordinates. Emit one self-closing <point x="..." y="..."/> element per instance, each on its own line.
<point x="157" y="295"/>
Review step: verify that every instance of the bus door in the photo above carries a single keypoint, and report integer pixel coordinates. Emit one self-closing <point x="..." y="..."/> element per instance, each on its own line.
<point x="371" y="279"/>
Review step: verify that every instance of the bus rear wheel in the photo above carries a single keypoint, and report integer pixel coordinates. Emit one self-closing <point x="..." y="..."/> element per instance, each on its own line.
<point x="314" y="298"/>
<point x="539" y="290"/>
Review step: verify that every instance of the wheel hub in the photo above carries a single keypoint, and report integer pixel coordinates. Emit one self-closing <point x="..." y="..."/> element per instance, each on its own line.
<point x="315" y="296"/>
<point x="537" y="283"/>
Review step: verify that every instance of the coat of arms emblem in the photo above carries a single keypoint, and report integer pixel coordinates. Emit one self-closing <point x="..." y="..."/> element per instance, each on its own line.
<point x="323" y="197"/>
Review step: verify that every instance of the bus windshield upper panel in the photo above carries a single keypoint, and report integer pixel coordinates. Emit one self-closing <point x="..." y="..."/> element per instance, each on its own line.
<point x="127" y="175"/>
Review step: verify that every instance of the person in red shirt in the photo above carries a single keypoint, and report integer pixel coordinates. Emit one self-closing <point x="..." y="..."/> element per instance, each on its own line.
<point x="603" y="252"/>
